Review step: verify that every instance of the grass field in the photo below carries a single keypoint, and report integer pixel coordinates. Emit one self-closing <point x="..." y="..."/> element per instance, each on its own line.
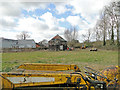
<point x="97" y="60"/>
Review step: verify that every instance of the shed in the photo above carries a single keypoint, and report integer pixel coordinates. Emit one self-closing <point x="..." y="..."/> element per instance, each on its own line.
<point x="57" y="43"/>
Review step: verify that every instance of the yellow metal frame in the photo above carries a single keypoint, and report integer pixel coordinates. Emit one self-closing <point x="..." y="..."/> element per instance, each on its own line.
<point x="48" y="67"/>
<point x="59" y="79"/>
<point x="28" y="71"/>
<point x="36" y="74"/>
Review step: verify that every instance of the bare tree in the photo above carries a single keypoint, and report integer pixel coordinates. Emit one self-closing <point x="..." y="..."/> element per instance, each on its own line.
<point x="117" y="20"/>
<point x="97" y="31"/>
<point x="74" y="33"/>
<point x="114" y="6"/>
<point x="109" y="23"/>
<point x="71" y="34"/>
<point x="44" y="42"/>
<point x="111" y="20"/>
<point x="87" y="36"/>
<point x="67" y="34"/>
<point x="102" y="25"/>
<point x="23" y="35"/>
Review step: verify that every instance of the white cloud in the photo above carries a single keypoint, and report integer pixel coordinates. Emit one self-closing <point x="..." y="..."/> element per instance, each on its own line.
<point x="10" y="9"/>
<point x="43" y="28"/>
<point x="61" y="19"/>
<point x="31" y="6"/>
<point x="77" y="21"/>
<point x="31" y="24"/>
<point x="14" y="8"/>
<point x="61" y="8"/>
<point x="51" y="21"/>
<point x="7" y="22"/>
<point x="12" y="21"/>
<point x="8" y="34"/>
<point x="88" y="9"/>
<point x="74" y="20"/>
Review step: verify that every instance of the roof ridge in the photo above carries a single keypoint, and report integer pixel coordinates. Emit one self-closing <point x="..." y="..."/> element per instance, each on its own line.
<point x="58" y="37"/>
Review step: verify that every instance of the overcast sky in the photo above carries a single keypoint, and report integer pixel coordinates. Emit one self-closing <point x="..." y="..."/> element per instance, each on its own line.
<point x="43" y="20"/>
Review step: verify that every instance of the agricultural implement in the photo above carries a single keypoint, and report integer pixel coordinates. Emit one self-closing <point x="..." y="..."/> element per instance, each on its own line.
<point x="93" y="49"/>
<point x="57" y="76"/>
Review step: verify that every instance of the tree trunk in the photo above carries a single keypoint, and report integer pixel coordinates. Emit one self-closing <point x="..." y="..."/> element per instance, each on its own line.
<point x="112" y="36"/>
<point x="118" y="43"/>
<point x="104" y="42"/>
<point x="104" y="34"/>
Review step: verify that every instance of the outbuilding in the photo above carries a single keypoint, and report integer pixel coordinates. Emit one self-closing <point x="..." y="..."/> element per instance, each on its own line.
<point x="10" y="43"/>
<point x="57" y="43"/>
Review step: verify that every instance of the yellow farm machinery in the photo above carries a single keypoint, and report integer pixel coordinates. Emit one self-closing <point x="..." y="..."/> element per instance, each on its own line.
<point x="59" y="77"/>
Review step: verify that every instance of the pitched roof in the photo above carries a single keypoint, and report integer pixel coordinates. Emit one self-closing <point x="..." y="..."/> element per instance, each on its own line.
<point x="57" y="37"/>
<point x="7" y="39"/>
<point x="28" y="41"/>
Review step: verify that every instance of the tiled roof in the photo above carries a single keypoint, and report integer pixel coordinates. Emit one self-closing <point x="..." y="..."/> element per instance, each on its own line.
<point x="57" y="37"/>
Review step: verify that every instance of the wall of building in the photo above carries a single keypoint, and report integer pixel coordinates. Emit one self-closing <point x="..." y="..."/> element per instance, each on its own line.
<point x="8" y="43"/>
<point x="26" y="44"/>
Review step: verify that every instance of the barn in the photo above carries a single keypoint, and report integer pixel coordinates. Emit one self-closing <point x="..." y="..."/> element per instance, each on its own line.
<point x="10" y="43"/>
<point x="30" y="43"/>
<point x="57" y="43"/>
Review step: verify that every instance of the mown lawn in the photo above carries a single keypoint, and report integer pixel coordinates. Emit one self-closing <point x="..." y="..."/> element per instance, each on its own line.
<point x="97" y="60"/>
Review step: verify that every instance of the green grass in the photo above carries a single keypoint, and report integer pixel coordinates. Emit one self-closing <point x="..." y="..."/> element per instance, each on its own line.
<point x="97" y="60"/>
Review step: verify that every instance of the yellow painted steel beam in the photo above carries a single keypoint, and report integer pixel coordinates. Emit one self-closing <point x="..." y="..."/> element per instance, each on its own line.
<point x="29" y="79"/>
<point x="5" y="83"/>
<point x="36" y="74"/>
<point x="48" y="67"/>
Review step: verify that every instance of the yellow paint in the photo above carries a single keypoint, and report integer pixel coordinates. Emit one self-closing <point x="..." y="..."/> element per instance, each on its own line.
<point x="111" y="74"/>
<point x="56" y="73"/>
<point x="5" y="83"/>
<point x="48" y="67"/>
<point x="59" y="78"/>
